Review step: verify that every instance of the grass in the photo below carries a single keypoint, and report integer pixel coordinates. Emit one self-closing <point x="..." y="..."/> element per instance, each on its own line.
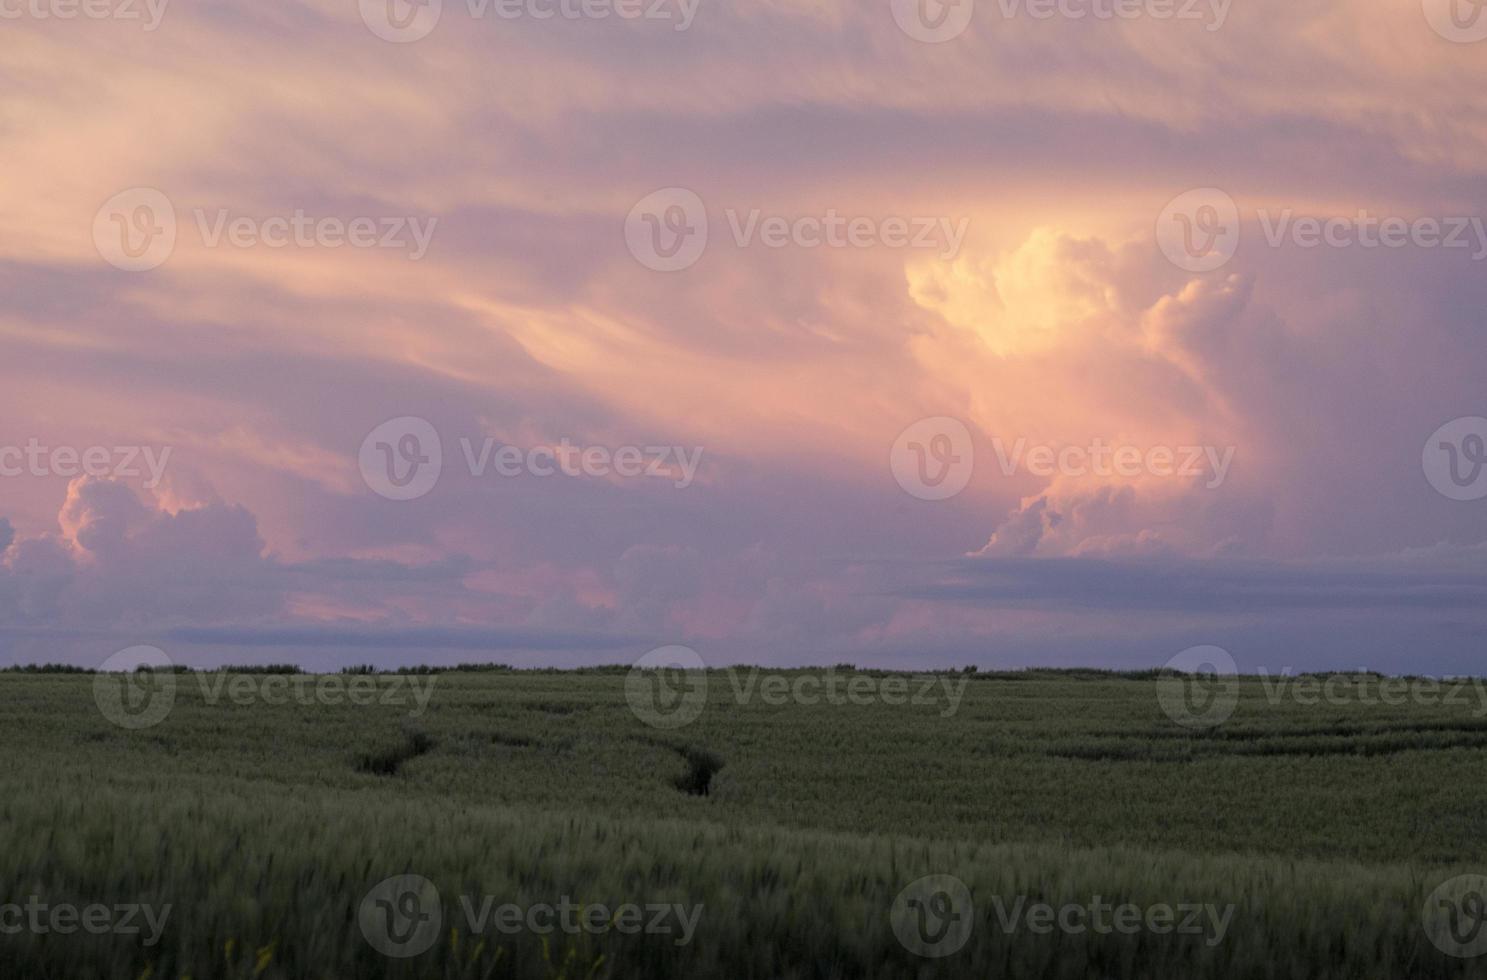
<point x="793" y="826"/>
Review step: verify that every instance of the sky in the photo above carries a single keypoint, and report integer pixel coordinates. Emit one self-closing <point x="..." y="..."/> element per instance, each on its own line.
<point x="1003" y="333"/>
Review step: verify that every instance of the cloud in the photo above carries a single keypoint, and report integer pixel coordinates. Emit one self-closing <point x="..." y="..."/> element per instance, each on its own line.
<point x="403" y="640"/>
<point x="117" y="560"/>
<point x="1138" y="585"/>
<point x="1058" y="324"/>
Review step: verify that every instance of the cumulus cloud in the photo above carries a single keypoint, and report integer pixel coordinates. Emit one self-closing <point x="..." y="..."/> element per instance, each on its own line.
<point x="116" y="559"/>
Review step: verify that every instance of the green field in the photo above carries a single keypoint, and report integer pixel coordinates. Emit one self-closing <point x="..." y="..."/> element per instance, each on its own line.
<point x="1316" y="832"/>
